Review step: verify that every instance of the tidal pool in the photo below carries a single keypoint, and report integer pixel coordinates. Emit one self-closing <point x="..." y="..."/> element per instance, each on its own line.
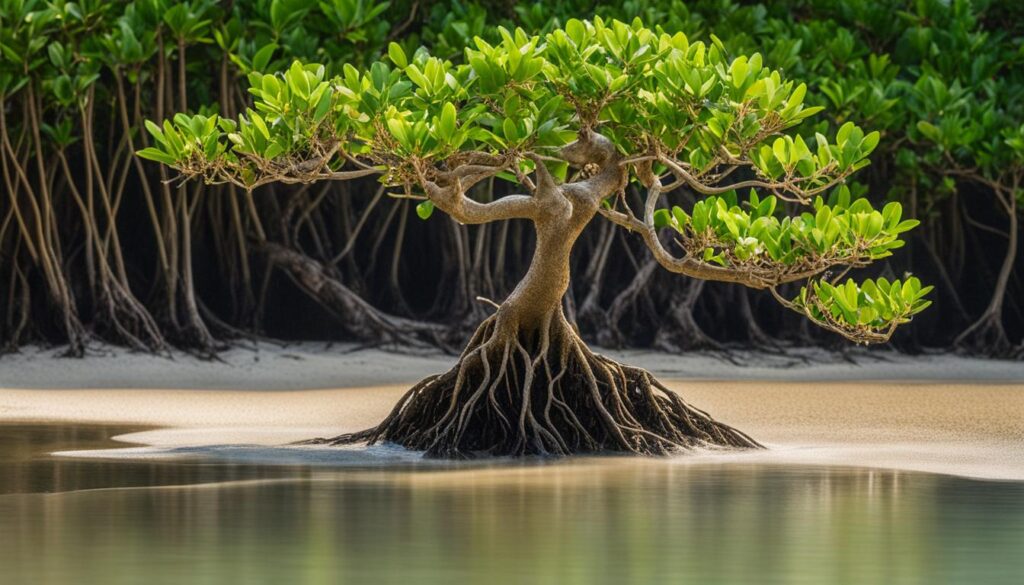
<point x="207" y="520"/>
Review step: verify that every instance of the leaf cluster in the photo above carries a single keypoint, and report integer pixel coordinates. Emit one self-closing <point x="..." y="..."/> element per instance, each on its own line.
<point x="650" y="91"/>
<point x="718" y="230"/>
<point x="868" y="311"/>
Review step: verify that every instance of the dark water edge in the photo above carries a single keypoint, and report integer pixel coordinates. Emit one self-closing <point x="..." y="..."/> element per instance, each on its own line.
<point x="65" y="520"/>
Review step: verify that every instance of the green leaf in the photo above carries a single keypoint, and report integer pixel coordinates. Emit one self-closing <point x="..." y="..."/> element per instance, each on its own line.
<point x="738" y="71"/>
<point x="869" y="143"/>
<point x="767" y="207"/>
<point x="272" y="151"/>
<point x="844" y="132"/>
<point x="905" y="225"/>
<point x="425" y="209"/>
<point x="157" y="155"/>
<point x="297" y="80"/>
<point x="262" y="57"/>
<point x="322" y="107"/>
<point x="891" y="213"/>
<point x="173" y="141"/>
<point x="781" y="150"/>
<point x="417" y="77"/>
<point x="399" y="128"/>
<point x="257" y="121"/>
<point x="662" y="218"/>
<point x="397" y="55"/>
<point x="446" y="124"/>
<point x="210" y="145"/>
<point x="156" y="131"/>
<point x="796" y="99"/>
<point x="575" y="30"/>
<point x="271" y="86"/>
<point x="824" y="152"/>
<point x="682" y="219"/>
<point x="823" y="217"/>
<point x="874" y="226"/>
<point x="930" y="131"/>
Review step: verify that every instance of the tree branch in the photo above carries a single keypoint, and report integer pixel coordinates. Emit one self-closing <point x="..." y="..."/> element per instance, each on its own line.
<point x="758" y="277"/>
<point x="779" y="188"/>
<point x="594" y="154"/>
<point x="453" y="201"/>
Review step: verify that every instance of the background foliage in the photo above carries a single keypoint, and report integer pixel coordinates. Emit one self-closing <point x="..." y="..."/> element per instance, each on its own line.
<point x="96" y="242"/>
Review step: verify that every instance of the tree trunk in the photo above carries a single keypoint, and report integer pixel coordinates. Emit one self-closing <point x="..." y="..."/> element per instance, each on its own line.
<point x="527" y="384"/>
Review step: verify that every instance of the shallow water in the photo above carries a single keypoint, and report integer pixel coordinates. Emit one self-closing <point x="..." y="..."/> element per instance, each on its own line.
<point x="207" y="520"/>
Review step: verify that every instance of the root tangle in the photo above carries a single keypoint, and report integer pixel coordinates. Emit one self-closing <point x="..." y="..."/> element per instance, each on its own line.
<point x="542" y="392"/>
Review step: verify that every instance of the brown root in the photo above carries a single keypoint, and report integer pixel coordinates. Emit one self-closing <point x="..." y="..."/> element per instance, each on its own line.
<point x="124" y="320"/>
<point x="544" y="392"/>
<point x="359" y="318"/>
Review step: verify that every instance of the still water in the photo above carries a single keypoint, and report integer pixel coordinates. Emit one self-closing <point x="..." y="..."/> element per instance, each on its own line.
<point x="72" y="521"/>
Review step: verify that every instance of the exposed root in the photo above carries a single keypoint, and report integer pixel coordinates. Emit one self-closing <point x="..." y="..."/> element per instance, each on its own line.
<point x="543" y="392"/>
<point x="986" y="336"/>
<point x="359" y="318"/>
<point x="679" y="330"/>
<point x="123" y="319"/>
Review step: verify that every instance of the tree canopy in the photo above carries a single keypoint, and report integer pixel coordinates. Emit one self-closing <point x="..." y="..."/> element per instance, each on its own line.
<point x="683" y="117"/>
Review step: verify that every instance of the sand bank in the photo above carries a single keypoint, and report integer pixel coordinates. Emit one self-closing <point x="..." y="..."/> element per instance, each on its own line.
<point x="962" y="429"/>
<point x="966" y="423"/>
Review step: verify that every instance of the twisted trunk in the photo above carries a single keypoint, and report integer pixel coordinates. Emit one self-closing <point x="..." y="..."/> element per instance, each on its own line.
<point x="526" y="383"/>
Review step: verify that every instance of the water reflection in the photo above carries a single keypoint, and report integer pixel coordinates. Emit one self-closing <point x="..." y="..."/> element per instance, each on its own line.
<point x="596" y="521"/>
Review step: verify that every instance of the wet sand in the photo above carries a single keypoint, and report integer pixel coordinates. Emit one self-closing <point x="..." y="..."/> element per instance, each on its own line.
<point x="972" y="430"/>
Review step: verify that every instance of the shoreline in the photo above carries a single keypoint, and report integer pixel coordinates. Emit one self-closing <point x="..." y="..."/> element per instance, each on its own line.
<point x="968" y="423"/>
<point x="967" y="430"/>
<point x="310" y="366"/>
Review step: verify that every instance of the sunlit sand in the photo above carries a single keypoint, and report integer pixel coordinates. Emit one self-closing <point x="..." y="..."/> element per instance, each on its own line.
<point x="974" y="430"/>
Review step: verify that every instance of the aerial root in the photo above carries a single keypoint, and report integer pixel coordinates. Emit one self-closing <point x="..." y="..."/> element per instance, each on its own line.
<point x="987" y="336"/>
<point x="127" y="321"/>
<point x="543" y="393"/>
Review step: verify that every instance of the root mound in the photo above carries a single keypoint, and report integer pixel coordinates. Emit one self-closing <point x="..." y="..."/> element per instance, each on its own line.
<point x="542" y="392"/>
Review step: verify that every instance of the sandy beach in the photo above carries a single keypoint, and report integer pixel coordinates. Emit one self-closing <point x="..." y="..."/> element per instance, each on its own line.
<point x="938" y="414"/>
<point x="310" y="365"/>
